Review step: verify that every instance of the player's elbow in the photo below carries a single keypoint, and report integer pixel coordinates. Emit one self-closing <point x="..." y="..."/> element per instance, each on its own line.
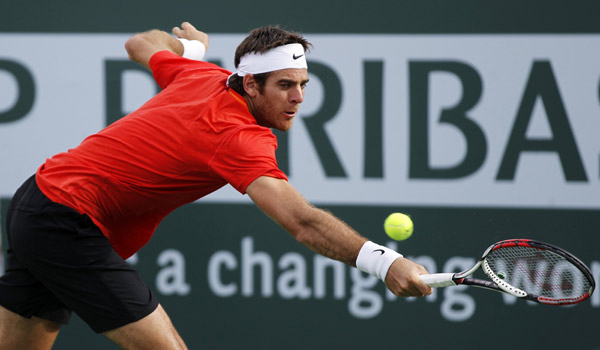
<point x="141" y="46"/>
<point x="303" y="227"/>
<point x="302" y="236"/>
<point x="135" y="45"/>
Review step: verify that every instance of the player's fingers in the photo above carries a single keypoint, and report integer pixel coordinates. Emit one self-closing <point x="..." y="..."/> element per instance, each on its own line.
<point x="187" y="26"/>
<point x="424" y="289"/>
<point x="422" y="286"/>
<point x="177" y="31"/>
<point x="413" y="288"/>
<point x="416" y="292"/>
<point x="419" y="290"/>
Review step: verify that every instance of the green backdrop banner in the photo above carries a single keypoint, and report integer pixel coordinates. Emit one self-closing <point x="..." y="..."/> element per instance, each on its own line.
<point x="478" y="120"/>
<point x="230" y="278"/>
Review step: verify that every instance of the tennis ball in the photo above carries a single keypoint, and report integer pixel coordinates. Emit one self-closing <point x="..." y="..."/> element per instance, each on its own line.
<point x="398" y="226"/>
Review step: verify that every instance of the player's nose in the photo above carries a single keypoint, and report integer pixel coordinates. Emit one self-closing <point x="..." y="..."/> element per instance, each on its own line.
<point x="297" y="95"/>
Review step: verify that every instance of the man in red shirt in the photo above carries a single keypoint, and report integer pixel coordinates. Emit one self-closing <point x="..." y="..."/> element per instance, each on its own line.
<point x="71" y="226"/>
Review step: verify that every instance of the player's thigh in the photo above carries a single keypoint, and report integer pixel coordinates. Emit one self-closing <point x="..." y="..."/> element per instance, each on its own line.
<point x="64" y="262"/>
<point x="18" y="332"/>
<point x="155" y="331"/>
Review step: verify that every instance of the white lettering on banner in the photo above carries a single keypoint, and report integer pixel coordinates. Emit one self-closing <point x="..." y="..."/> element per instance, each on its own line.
<point x="457" y="305"/>
<point x="218" y="287"/>
<point x="366" y="296"/>
<point x="364" y="302"/>
<point x="292" y="282"/>
<point x="339" y="282"/>
<point x="250" y="260"/>
<point x="397" y="120"/>
<point x="171" y="278"/>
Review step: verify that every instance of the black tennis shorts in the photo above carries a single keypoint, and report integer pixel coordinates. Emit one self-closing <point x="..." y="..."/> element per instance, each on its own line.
<point x="59" y="261"/>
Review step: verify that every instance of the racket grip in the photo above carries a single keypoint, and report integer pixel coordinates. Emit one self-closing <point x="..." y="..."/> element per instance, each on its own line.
<point x="437" y="280"/>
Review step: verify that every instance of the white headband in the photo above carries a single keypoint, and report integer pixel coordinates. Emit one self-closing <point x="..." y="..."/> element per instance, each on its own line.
<point x="281" y="57"/>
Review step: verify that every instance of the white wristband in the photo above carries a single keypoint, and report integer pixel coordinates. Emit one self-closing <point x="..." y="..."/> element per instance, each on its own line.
<point x="376" y="259"/>
<point x="192" y="49"/>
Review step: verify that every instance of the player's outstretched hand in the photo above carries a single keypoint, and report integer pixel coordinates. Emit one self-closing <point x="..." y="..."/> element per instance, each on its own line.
<point x="403" y="279"/>
<point x="188" y="31"/>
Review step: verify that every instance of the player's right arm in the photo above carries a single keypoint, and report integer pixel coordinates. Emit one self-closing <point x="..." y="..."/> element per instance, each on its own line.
<point x="142" y="46"/>
<point x="327" y="235"/>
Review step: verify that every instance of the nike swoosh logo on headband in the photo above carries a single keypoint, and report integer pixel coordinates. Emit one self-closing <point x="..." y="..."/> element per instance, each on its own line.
<point x="296" y="57"/>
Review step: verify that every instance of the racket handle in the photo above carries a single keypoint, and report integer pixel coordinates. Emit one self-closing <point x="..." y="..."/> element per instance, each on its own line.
<point x="437" y="280"/>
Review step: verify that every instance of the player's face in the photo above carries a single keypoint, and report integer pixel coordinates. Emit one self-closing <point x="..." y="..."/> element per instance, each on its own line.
<point x="278" y="103"/>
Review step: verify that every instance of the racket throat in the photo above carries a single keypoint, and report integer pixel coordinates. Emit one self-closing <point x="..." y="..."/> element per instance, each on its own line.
<point x="461" y="275"/>
<point x="508" y="288"/>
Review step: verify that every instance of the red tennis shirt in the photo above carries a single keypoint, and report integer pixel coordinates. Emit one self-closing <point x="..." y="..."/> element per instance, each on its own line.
<point x="189" y="140"/>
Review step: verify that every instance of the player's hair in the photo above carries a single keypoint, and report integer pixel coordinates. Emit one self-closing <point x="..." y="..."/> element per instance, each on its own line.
<point x="262" y="40"/>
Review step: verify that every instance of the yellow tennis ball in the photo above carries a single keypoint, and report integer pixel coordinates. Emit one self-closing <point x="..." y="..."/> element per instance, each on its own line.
<point x="398" y="226"/>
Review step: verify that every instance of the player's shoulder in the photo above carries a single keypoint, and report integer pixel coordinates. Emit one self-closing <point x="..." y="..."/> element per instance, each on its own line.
<point x="251" y="138"/>
<point x="166" y="58"/>
<point x="254" y="132"/>
<point x="168" y="67"/>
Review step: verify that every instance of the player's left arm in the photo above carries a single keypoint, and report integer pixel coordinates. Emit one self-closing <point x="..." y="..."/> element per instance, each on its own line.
<point x="325" y="234"/>
<point x="318" y="229"/>
<point x="142" y="46"/>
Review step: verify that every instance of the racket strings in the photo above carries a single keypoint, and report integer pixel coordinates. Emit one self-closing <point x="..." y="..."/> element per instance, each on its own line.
<point x="538" y="272"/>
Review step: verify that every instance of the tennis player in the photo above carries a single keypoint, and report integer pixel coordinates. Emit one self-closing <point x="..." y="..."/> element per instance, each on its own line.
<point x="72" y="224"/>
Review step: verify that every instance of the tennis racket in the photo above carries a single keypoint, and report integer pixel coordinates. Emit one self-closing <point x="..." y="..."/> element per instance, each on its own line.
<point x="527" y="269"/>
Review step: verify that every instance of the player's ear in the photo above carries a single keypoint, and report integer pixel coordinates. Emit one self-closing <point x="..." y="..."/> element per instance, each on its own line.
<point x="250" y="85"/>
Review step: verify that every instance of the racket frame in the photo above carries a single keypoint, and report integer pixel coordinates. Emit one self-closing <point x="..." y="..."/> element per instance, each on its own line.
<point x="498" y="284"/>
